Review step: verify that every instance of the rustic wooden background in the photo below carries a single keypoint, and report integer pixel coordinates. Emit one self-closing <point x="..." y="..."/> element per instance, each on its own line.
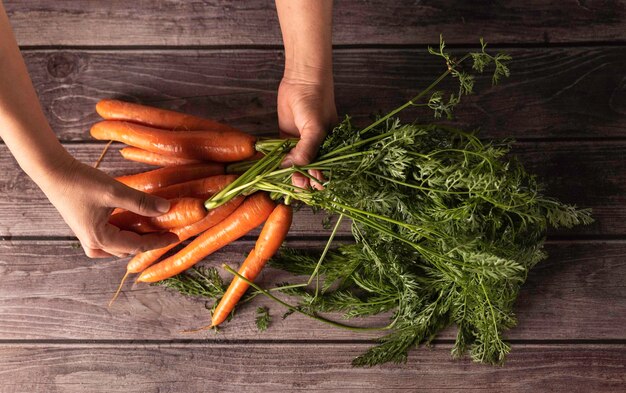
<point x="565" y="104"/>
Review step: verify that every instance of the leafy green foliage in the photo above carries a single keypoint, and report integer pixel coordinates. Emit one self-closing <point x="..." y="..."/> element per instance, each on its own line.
<point x="446" y="226"/>
<point x="263" y="318"/>
<point x="200" y="281"/>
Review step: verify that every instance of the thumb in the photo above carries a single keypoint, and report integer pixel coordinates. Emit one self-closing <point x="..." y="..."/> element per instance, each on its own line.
<point x="139" y="202"/>
<point x="306" y="149"/>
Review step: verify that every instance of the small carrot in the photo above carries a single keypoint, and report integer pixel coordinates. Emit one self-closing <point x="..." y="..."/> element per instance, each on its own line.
<point x="158" y="178"/>
<point x="200" y="188"/>
<point x="207" y="145"/>
<point x="272" y="236"/>
<point x="155" y="117"/>
<point x="252" y="213"/>
<point x="144" y="259"/>
<point x="147" y="157"/>
<point x="183" y="212"/>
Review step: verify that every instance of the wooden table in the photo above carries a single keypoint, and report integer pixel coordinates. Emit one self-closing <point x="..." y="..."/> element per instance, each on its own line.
<point x="565" y="103"/>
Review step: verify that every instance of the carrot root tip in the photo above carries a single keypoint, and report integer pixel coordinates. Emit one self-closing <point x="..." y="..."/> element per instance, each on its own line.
<point x="188" y="331"/>
<point x="119" y="288"/>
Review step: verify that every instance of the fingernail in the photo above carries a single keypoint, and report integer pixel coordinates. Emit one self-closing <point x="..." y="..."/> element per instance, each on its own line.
<point x="287" y="163"/>
<point x="163" y="205"/>
<point x="300" y="182"/>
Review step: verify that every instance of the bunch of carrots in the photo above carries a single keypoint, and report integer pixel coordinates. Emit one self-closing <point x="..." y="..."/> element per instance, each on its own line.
<point x="192" y="152"/>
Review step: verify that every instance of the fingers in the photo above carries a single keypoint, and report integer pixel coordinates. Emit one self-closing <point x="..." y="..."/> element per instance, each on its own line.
<point x="318" y="175"/>
<point x="304" y="152"/>
<point x="138" y="202"/>
<point x="96" y="253"/>
<point x="307" y="147"/>
<point x="112" y="241"/>
<point x="116" y="241"/>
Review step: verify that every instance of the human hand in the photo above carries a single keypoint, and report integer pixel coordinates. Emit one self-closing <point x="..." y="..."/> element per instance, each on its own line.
<point x="306" y="109"/>
<point x="85" y="198"/>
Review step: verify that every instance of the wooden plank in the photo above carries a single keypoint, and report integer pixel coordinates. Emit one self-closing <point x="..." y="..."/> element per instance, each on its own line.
<point x="92" y="22"/>
<point x="297" y="367"/>
<point x="569" y="170"/>
<point x="51" y="291"/>
<point x="556" y="92"/>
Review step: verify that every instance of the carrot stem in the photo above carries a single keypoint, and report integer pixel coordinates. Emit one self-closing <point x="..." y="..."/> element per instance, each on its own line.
<point x="326" y="248"/>
<point x="296" y="309"/>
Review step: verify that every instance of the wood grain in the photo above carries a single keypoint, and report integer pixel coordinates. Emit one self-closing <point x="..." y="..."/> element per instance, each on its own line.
<point x="178" y="22"/>
<point x="51" y="291"/>
<point x="569" y="170"/>
<point x="556" y="92"/>
<point x="297" y="367"/>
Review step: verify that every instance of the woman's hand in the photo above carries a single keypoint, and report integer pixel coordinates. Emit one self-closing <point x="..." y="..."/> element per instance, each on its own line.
<point x="306" y="100"/>
<point x="306" y="110"/>
<point x="85" y="197"/>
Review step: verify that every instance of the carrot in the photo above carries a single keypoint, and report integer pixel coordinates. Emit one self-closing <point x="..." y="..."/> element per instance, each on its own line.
<point x="155" y="117"/>
<point x="272" y="236"/>
<point x="207" y="145"/>
<point x="147" y="157"/>
<point x="200" y="188"/>
<point x="252" y="213"/>
<point x="144" y="259"/>
<point x="183" y="211"/>
<point x="158" y="178"/>
<point x="274" y="232"/>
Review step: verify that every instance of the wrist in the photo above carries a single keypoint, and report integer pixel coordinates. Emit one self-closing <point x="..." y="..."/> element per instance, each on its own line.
<point x="48" y="166"/>
<point x="312" y="74"/>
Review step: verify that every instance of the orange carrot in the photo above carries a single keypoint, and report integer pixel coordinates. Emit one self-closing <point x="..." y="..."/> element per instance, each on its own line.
<point x="207" y="145"/>
<point x="252" y="213"/>
<point x="183" y="212"/>
<point x="274" y="232"/>
<point x="272" y="236"/>
<point x="144" y="259"/>
<point x="200" y="188"/>
<point x="158" y="178"/>
<point x="155" y="117"/>
<point x="147" y="157"/>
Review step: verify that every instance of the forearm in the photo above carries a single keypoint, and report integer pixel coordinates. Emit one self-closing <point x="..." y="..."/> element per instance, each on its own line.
<point x="306" y="27"/>
<point x="23" y="126"/>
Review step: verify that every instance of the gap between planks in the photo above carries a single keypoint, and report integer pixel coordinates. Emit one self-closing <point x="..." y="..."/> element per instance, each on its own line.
<point x="493" y="45"/>
<point x="200" y="343"/>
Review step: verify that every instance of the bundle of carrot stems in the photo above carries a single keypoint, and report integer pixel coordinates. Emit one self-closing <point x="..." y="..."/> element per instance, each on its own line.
<point x="446" y="227"/>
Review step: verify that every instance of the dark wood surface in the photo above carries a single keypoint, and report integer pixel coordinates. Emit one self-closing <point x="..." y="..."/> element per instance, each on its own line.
<point x="254" y="22"/>
<point x="314" y="367"/>
<point x="565" y="103"/>
<point x="51" y="291"/>
<point x="552" y="92"/>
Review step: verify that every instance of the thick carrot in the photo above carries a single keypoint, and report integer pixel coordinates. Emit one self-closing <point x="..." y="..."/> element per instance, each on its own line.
<point x="207" y="145"/>
<point x="252" y="213"/>
<point x="155" y="117"/>
<point x="183" y="212"/>
<point x="272" y="236"/>
<point x="200" y="188"/>
<point x="158" y="178"/>
<point x="144" y="259"/>
<point x="147" y="157"/>
<point x="274" y="232"/>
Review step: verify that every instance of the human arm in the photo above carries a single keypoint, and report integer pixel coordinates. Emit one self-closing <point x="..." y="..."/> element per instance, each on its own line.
<point x="306" y="100"/>
<point x="84" y="196"/>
